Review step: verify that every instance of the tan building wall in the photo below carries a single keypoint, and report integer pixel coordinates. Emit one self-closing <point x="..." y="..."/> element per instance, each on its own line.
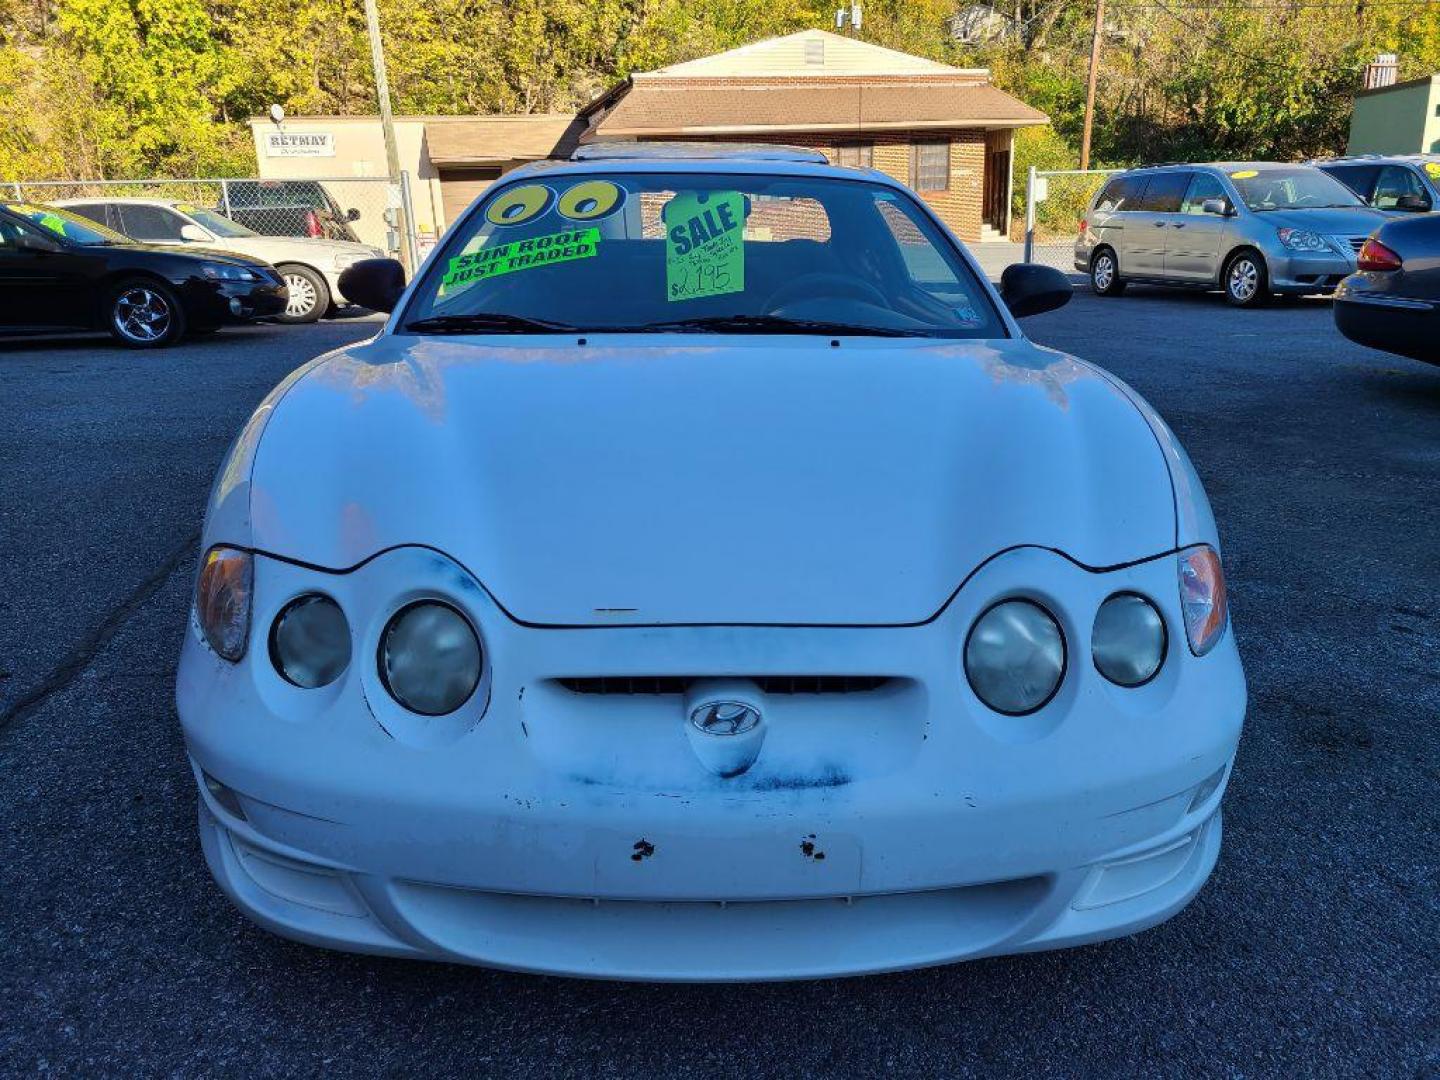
<point x="359" y="145"/>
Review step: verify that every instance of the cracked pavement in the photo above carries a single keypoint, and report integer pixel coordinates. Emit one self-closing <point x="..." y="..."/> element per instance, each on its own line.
<point x="1313" y="951"/>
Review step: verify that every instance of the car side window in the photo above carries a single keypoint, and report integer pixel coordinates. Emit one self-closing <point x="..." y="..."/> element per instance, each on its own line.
<point x="1394" y="184"/>
<point x="150" y="222"/>
<point x="1165" y="191"/>
<point x="94" y="211"/>
<point x="1121" y="193"/>
<point x="1358" y="178"/>
<point x="1203" y="187"/>
<point x="9" y="235"/>
<point x="11" y="232"/>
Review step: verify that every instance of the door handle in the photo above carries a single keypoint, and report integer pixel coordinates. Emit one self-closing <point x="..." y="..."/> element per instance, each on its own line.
<point x="1159" y="224"/>
<point x="1179" y="224"/>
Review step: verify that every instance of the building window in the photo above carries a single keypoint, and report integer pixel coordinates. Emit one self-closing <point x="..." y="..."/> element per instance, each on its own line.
<point x="857" y="155"/>
<point x="930" y="165"/>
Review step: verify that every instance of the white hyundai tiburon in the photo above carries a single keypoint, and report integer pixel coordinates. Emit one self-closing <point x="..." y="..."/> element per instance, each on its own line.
<point x="702" y="577"/>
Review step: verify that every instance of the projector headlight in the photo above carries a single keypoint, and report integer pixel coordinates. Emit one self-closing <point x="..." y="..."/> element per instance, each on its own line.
<point x="228" y="272"/>
<point x="1128" y="643"/>
<point x="1015" y="657"/>
<point x="430" y="658"/>
<point x="310" y="642"/>
<point x="1302" y="240"/>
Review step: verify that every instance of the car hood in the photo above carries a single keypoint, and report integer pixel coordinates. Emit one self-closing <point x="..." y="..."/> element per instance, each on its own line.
<point x="303" y="249"/>
<point x="758" y="480"/>
<point x="1360" y="221"/>
<point x="205" y="254"/>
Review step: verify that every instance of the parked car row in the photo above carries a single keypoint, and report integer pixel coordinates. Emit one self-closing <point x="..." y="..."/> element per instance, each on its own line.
<point x="150" y="271"/>
<point x="1363" y="229"/>
<point x="311" y="266"/>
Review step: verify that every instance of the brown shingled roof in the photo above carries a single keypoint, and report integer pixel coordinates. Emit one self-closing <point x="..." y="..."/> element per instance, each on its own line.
<point x="464" y="140"/>
<point x="656" y="105"/>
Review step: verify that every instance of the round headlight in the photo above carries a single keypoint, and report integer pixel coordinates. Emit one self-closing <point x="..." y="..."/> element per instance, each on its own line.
<point x="1015" y="657"/>
<point x="430" y="658"/>
<point x="1128" y="643"/>
<point x="310" y="642"/>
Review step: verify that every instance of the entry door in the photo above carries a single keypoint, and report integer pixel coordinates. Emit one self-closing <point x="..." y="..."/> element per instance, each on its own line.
<point x="997" y="180"/>
<point x="1193" y="241"/>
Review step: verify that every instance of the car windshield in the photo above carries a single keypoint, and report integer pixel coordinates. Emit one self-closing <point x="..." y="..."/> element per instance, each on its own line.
<point x="278" y="193"/>
<point x="67" y="225"/>
<point x="1300" y="188"/>
<point x="698" y="252"/>
<point x="218" y="224"/>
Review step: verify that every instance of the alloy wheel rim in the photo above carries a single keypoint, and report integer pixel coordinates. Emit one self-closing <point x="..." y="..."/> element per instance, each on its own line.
<point x="142" y="314"/>
<point x="302" y="295"/>
<point x="1104" y="272"/>
<point x="1243" y="279"/>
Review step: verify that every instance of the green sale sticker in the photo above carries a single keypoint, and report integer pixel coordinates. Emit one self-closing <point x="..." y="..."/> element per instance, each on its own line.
<point x="704" y="244"/>
<point x="492" y="260"/>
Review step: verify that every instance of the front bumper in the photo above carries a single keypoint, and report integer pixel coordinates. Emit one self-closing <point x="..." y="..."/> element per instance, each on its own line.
<point x="1306" y="272"/>
<point x="580" y="834"/>
<point x="216" y="303"/>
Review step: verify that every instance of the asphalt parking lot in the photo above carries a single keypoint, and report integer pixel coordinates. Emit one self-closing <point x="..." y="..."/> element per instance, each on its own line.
<point x="1314" y="950"/>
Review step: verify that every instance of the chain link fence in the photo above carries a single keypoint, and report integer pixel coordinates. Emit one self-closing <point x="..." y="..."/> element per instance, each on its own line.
<point x="1055" y="203"/>
<point x="367" y="210"/>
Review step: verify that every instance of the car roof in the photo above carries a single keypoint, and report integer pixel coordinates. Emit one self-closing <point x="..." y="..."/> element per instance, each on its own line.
<point x="1378" y="159"/>
<point x="126" y="199"/>
<point x="685" y="151"/>
<point x="702" y="158"/>
<point x="1221" y="166"/>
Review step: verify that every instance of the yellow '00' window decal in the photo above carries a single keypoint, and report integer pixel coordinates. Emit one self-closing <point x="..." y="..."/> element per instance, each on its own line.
<point x="1244" y="174"/>
<point x="519" y="205"/>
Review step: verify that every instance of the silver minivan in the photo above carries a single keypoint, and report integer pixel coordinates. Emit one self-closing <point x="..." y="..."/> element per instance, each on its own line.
<point x="1252" y="229"/>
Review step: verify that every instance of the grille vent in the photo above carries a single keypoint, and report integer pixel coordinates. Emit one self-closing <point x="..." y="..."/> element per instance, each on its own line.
<point x="768" y="684"/>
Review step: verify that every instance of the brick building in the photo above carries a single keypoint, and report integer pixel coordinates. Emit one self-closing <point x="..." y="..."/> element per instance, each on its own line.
<point x="945" y="131"/>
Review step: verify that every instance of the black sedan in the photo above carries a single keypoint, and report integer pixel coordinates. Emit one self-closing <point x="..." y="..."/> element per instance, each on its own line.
<point x="60" y="271"/>
<point x="1393" y="301"/>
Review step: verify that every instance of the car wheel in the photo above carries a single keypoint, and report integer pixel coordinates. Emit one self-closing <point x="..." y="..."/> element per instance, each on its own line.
<point x="144" y="314"/>
<point x="1247" y="284"/>
<point x="1105" y="274"/>
<point x="309" y="295"/>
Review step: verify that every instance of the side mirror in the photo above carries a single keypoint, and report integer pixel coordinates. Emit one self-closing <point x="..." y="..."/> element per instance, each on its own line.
<point x="30" y="242"/>
<point x="1416" y="204"/>
<point x="1216" y="206"/>
<point x="1028" y="289"/>
<point x="352" y="214"/>
<point x="373" y="283"/>
<point x="194" y="234"/>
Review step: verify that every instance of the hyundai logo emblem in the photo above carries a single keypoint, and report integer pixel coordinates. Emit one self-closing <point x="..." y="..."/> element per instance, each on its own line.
<point x="725" y="718"/>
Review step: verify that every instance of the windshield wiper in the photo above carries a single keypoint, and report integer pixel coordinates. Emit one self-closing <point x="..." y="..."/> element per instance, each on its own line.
<point x="764" y="324"/>
<point x="485" y="323"/>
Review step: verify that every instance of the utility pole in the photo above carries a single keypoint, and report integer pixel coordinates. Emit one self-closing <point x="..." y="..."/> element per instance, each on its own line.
<point x="382" y="90"/>
<point x="1090" y="89"/>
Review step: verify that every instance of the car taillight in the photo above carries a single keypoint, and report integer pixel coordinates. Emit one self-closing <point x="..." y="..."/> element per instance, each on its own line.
<point x="1376" y="256"/>
<point x="1084" y="225"/>
<point x="312" y="224"/>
